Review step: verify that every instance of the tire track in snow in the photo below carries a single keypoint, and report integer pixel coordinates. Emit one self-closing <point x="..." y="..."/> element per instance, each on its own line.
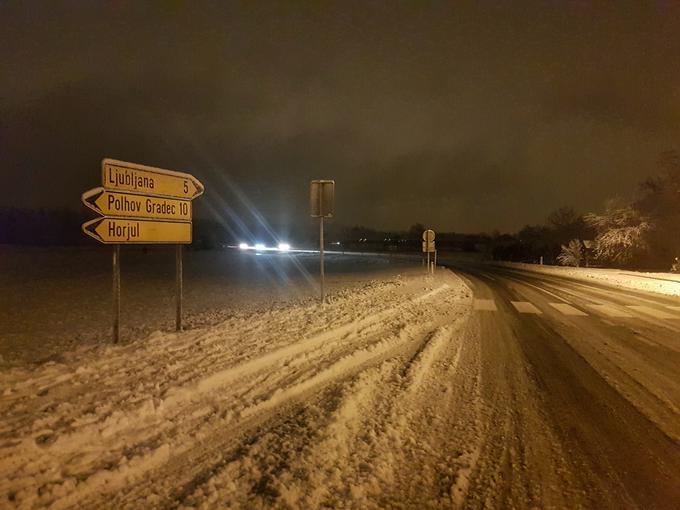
<point x="363" y="428"/>
<point x="118" y="423"/>
<point x="319" y="381"/>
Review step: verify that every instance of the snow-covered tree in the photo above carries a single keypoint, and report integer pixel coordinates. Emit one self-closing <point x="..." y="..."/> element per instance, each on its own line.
<point x="571" y="254"/>
<point x="621" y="233"/>
<point x="660" y="201"/>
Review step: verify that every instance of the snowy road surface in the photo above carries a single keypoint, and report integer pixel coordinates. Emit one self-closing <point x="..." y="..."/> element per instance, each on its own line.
<point x="484" y="388"/>
<point x="583" y="386"/>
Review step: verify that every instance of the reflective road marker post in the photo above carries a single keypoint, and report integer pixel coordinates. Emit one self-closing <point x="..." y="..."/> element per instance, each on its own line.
<point x="322" y="205"/>
<point x="142" y="205"/>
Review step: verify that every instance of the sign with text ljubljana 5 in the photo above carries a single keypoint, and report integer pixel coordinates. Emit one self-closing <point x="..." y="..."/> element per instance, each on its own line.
<point x="141" y="205"/>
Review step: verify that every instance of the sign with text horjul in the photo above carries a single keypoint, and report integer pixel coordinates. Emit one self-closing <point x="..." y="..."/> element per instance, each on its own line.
<point x="135" y="231"/>
<point x="142" y="204"/>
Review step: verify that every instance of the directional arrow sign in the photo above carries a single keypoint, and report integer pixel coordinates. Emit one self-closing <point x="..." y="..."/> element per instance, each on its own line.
<point x="147" y="180"/>
<point x="130" y="231"/>
<point x="112" y="203"/>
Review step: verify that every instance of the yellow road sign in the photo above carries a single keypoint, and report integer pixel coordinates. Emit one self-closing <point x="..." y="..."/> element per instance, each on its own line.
<point x="148" y="180"/>
<point x="428" y="247"/>
<point x="130" y="231"/>
<point x="428" y="236"/>
<point x="112" y="203"/>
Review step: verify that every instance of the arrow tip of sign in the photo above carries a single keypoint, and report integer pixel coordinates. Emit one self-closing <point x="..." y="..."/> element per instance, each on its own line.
<point x="199" y="186"/>
<point x="90" y="228"/>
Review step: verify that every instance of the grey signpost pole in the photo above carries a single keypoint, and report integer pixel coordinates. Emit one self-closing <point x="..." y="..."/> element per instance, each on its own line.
<point x="323" y="275"/>
<point x="178" y="290"/>
<point x="322" y="207"/>
<point x="116" y="293"/>
<point x="167" y="222"/>
<point x="428" y="246"/>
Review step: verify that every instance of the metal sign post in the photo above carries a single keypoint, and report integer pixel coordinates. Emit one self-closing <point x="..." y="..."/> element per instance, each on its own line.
<point x="178" y="289"/>
<point x="321" y="262"/>
<point x="116" y="293"/>
<point x="142" y="205"/>
<point x="322" y="205"/>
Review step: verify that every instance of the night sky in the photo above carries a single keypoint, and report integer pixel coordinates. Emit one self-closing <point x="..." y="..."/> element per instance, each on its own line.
<point x="466" y="116"/>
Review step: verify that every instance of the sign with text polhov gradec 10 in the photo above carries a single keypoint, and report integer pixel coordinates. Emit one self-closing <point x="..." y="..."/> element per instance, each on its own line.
<point x="141" y="205"/>
<point x="113" y="203"/>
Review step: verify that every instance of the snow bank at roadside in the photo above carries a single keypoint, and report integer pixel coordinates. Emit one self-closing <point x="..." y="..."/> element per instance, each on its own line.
<point x="661" y="283"/>
<point x="135" y="425"/>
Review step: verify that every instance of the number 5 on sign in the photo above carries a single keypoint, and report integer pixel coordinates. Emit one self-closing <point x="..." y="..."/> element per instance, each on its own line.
<point x="148" y="180"/>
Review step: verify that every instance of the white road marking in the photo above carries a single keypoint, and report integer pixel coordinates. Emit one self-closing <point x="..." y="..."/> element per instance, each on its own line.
<point x="616" y="293"/>
<point x="568" y="309"/>
<point x="608" y="322"/>
<point x="522" y="282"/>
<point x="611" y="311"/>
<point x="676" y="308"/>
<point x="488" y="305"/>
<point x="659" y="314"/>
<point x="525" y="307"/>
<point x="487" y="275"/>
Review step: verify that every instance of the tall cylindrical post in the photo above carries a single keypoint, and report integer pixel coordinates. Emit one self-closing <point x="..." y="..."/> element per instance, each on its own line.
<point x="116" y="293"/>
<point x="178" y="288"/>
<point x="323" y="276"/>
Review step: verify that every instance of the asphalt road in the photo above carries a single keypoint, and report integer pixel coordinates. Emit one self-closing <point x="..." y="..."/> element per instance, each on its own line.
<point x="582" y="385"/>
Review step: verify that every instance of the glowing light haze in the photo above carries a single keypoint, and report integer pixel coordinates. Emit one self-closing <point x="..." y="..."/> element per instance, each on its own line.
<point x="466" y="116"/>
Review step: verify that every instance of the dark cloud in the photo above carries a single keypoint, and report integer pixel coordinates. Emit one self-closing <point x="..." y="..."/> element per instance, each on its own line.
<point x="465" y="116"/>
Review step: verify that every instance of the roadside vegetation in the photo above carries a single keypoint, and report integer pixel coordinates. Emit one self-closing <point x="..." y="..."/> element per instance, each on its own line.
<point x="642" y="233"/>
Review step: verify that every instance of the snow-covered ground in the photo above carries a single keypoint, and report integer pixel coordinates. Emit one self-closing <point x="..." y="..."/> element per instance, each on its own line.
<point x="295" y="406"/>
<point x="662" y="283"/>
<point x="58" y="299"/>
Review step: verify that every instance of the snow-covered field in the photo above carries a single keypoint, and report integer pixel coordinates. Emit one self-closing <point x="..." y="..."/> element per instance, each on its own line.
<point x="662" y="283"/>
<point x="57" y="299"/>
<point x="296" y="406"/>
